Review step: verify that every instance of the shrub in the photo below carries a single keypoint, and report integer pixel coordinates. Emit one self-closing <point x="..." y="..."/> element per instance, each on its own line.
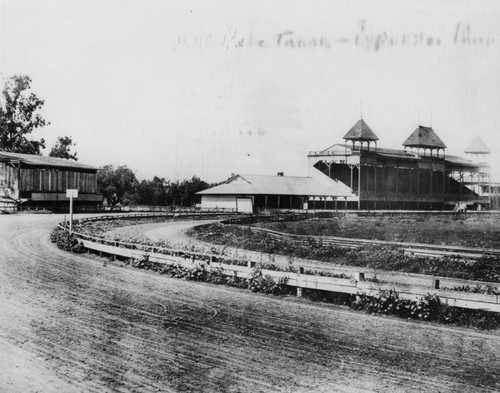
<point x="389" y="303"/>
<point x="66" y="241"/>
<point x="259" y="282"/>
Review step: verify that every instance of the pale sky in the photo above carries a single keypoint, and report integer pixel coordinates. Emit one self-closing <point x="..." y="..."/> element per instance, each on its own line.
<point x="210" y="88"/>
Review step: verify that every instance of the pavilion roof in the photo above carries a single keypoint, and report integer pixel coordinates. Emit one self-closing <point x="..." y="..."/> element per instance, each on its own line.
<point x="477" y="146"/>
<point x="424" y="137"/>
<point x="361" y="132"/>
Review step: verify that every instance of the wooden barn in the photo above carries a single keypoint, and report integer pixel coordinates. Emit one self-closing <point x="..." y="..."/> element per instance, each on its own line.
<point x="35" y="181"/>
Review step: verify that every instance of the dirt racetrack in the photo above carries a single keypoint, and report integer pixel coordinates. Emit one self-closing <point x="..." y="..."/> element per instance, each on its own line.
<point x="70" y="324"/>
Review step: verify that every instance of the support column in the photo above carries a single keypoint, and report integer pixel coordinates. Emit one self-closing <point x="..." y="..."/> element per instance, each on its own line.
<point x="431" y="177"/>
<point x="489" y="191"/>
<point x="444" y="185"/>
<point x="418" y="182"/>
<point x="479" y="187"/>
<point x="265" y="202"/>
<point x="351" y="167"/>
<point x="397" y="180"/>
<point x="359" y="186"/>
<point x="460" y="181"/>
<point x="329" y="164"/>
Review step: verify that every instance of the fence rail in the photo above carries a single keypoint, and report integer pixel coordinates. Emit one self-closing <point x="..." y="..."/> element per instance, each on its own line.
<point x="299" y="280"/>
<point x="431" y="250"/>
<point x="350" y="286"/>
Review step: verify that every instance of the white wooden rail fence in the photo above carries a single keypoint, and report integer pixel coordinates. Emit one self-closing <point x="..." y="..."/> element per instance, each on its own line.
<point x="476" y="301"/>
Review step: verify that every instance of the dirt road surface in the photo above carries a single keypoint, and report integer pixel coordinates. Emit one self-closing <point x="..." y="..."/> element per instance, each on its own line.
<point x="70" y="324"/>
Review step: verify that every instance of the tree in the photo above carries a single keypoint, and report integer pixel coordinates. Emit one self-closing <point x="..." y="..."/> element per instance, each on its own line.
<point x="19" y="116"/>
<point x="62" y="149"/>
<point x="184" y="194"/>
<point x="152" y="192"/>
<point x="117" y="185"/>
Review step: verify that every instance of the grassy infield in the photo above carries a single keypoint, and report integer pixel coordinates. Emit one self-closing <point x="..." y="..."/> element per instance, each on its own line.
<point x="372" y="257"/>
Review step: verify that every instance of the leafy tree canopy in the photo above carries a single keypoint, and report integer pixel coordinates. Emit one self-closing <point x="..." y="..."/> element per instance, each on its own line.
<point x="120" y="186"/>
<point x="19" y="116"/>
<point x="62" y="149"/>
<point x="153" y="192"/>
<point x="117" y="185"/>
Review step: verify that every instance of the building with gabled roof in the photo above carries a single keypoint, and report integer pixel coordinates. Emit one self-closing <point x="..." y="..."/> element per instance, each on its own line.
<point x="250" y="193"/>
<point x="36" y="181"/>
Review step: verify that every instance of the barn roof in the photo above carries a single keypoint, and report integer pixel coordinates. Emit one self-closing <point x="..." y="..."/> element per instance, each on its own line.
<point x="477" y="146"/>
<point x="278" y="185"/>
<point x="361" y="132"/>
<point x="43" y="161"/>
<point x="424" y="137"/>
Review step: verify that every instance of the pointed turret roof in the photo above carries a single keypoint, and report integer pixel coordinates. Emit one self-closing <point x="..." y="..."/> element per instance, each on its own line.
<point x="477" y="146"/>
<point x="424" y="137"/>
<point x="361" y="132"/>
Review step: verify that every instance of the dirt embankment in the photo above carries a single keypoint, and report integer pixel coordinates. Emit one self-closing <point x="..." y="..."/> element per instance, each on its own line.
<point x="70" y="324"/>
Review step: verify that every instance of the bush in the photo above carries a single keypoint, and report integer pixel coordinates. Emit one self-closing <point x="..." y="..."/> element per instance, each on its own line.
<point x="317" y="295"/>
<point x="389" y="303"/>
<point x="472" y="318"/>
<point x="66" y="241"/>
<point x="265" y="283"/>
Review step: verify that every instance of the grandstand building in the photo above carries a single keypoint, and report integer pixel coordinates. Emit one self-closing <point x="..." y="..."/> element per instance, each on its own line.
<point x="421" y="176"/>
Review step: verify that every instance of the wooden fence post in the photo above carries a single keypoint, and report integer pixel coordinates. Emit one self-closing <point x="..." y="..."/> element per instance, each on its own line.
<point x="299" y="289"/>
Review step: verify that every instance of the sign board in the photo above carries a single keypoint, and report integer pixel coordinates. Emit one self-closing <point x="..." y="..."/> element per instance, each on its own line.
<point x="71" y="193"/>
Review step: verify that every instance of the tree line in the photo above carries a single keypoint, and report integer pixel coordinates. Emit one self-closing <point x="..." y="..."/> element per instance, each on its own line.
<point x="120" y="186"/>
<point x="20" y="116"/>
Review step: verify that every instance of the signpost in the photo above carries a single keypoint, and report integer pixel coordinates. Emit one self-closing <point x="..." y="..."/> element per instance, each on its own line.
<point x="71" y="193"/>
